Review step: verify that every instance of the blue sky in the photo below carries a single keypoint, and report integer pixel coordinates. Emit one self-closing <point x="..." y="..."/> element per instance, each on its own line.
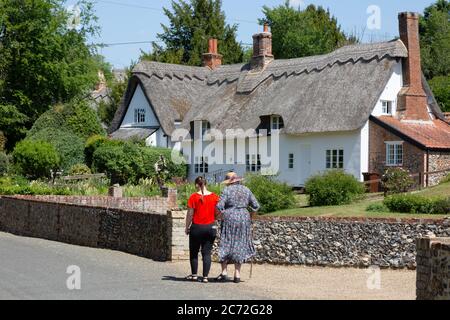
<point x="139" y="20"/>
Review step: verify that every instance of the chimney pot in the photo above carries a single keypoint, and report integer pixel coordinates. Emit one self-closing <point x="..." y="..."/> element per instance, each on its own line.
<point x="266" y="27"/>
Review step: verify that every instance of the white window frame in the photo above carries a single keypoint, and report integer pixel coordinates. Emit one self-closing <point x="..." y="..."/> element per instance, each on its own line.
<point x="387" y="107"/>
<point x="139" y="115"/>
<point x="291" y="161"/>
<point x="395" y="158"/>
<point x="335" y="159"/>
<point x="253" y="162"/>
<point x="201" y="165"/>
<point x="275" y="122"/>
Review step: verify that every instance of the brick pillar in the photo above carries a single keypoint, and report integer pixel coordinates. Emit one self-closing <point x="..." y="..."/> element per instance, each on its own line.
<point x="423" y="267"/>
<point x="179" y="246"/>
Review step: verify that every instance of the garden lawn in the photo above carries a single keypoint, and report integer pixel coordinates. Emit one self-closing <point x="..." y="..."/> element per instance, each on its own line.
<point x="358" y="209"/>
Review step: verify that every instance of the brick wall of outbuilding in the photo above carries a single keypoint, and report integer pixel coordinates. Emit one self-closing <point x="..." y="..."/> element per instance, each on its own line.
<point x="414" y="159"/>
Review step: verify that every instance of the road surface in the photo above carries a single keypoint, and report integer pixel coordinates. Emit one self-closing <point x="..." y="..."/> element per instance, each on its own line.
<point x="37" y="269"/>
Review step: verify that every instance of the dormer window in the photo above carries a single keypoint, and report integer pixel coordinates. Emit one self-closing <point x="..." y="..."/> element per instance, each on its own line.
<point x="387" y="107"/>
<point x="276" y="122"/>
<point x="139" y="116"/>
<point x="206" y="126"/>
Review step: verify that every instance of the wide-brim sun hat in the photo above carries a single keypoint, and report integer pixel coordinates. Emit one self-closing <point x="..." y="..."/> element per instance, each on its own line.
<point x="232" y="178"/>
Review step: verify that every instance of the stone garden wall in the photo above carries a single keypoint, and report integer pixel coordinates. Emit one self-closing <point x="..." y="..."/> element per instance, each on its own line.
<point x="328" y="242"/>
<point x="360" y="243"/>
<point x="154" y="204"/>
<point x="433" y="268"/>
<point x="146" y="234"/>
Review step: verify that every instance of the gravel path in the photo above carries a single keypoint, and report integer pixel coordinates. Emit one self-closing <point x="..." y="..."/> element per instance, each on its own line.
<point x="36" y="269"/>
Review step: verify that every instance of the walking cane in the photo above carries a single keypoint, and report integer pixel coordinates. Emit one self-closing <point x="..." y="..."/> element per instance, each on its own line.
<point x="251" y="259"/>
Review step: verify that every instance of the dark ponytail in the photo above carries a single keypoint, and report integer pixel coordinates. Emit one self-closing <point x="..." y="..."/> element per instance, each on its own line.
<point x="201" y="182"/>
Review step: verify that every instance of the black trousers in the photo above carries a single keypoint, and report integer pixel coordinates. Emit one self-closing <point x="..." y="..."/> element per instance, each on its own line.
<point x="202" y="238"/>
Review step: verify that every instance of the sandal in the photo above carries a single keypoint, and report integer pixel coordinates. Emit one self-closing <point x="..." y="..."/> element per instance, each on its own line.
<point x="192" y="278"/>
<point x="237" y="280"/>
<point x="222" y="278"/>
<point x="205" y="280"/>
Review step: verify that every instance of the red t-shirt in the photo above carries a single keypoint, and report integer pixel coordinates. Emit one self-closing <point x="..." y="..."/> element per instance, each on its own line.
<point x="204" y="211"/>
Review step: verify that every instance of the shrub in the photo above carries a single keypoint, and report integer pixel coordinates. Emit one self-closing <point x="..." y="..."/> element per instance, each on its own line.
<point x="377" y="207"/>
<point x="69" y="146"/>
<point x="79" y="169"/>
<point x="35" y="159"/>
<point x="83" y="120"/>
<point x="4" y="163"/>
<point x="91" y="146"/>
<point x="151" y="155"/>
<point x="128" y="163"/>
<point x="333" y="188"/>
<point x="396" y="180"/>
<point x="410" y="203"/>
<point x="76" y="117"/>
<point x="272" y="195"/>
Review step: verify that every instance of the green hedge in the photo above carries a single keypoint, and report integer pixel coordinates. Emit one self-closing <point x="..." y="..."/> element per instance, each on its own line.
<point x="76" y="117"/>
<point x="410" y="203"/>
<point x="271" y="194"/>
<point x="128" y="163"/>
<point x="69" y="146"/>
<point x="333" y="188"/>
<point x="35" y="159"/>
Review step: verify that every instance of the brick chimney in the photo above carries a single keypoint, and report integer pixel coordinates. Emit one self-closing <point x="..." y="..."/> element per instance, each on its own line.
<point x="412" y="98"/>
<point x="212" y="59"/>
<point x="262" y="49"/>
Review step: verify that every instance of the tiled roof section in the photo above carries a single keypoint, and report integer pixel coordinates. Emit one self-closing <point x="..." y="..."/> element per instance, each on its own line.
<point x="432" y="135"/>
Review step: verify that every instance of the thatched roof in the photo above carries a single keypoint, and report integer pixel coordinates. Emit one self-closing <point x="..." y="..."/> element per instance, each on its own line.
<point x="328" y="93"/>
<point x="129" y="133"/>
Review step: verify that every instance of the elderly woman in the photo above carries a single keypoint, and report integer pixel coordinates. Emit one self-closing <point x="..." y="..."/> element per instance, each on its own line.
<point x="236" y="243"/>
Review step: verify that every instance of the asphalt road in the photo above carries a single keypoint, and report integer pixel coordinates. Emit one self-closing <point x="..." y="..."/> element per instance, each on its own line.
<point x="37" y="269"/>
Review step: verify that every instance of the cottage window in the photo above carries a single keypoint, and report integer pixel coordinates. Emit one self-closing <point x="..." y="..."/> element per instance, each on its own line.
<point x="206" y="126"/>
<point x="276" y="123"/>
<point x="139" y="115"/>
<point x="335" y="159"/>
<point x="201" y="165"/>
<point x="253" y="163"/>
<point x="387" y="107"/>
<point x="291" y="161"/>
<point x="394" y="154"/>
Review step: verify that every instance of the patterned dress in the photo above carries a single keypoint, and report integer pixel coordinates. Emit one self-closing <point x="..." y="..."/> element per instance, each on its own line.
<point x="236" y="243"/>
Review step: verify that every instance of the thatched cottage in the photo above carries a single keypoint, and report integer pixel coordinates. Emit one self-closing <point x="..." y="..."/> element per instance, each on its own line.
<point x="361" y="108"/>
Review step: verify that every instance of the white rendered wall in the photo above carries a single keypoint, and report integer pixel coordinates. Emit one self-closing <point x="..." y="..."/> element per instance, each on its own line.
<point x="391" y="91"/>
<point x="139" y="101"/>
<point x="310" y="156"/>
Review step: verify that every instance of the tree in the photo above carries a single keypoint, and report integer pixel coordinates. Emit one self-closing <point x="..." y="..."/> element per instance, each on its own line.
<point x="435" y="46"/>
<point x="43" y="59"/>
<point x="299" y="33"/>
<point x="191" y="25"/>
<point x="435" y="39"/>
<point x="107" y="110"/>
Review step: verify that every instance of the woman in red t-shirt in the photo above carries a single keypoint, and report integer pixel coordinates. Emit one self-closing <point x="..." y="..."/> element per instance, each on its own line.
<point x="200" y="226"/>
